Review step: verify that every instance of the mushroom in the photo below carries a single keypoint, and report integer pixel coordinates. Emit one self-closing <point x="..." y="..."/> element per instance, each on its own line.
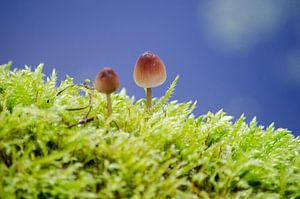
<point x="107" y="82"/>
<point x="149" y="72"/>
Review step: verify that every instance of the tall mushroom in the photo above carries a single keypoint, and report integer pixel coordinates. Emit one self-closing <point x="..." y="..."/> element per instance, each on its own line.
<point x="149" y="72"/>
<point x="107" y="81"/>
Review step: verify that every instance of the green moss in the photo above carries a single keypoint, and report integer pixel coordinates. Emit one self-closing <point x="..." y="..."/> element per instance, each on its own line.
<point x="167" y="153"/>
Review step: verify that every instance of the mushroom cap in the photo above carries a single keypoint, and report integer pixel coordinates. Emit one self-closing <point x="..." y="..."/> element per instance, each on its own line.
<point x="149" y="71"/>
<point x="107" y="81"/>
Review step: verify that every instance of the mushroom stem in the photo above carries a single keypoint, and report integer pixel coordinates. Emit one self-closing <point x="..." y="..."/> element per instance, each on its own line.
<point x="149" y="93"/>
<point x="109" y="108"/>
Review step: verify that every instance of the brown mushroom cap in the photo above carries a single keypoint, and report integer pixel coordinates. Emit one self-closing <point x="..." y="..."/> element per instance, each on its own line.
<point x="149" y="71"/>
<point x="107" y="81"/>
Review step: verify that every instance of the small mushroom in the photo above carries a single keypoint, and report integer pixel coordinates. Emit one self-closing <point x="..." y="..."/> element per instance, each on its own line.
<point x="149" y="72"/>
<point x="107" y="82"/>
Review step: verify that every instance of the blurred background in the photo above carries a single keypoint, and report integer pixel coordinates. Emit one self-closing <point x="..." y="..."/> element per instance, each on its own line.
<point x="242" y="56"/>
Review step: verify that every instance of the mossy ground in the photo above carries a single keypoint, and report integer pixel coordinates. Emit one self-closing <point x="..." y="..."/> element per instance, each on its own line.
<point x="167" y="153"/>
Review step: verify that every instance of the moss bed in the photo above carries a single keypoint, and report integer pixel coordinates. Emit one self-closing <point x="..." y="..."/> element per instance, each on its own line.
<point x="51" y="148"/>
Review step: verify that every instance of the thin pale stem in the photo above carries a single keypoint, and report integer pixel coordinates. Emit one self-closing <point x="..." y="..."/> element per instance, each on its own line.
<point x="149" y="93"/>
<point x="109" y="108"/>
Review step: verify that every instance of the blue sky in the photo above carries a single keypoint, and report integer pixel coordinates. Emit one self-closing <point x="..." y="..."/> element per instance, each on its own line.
<point x="240" y="56"/>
